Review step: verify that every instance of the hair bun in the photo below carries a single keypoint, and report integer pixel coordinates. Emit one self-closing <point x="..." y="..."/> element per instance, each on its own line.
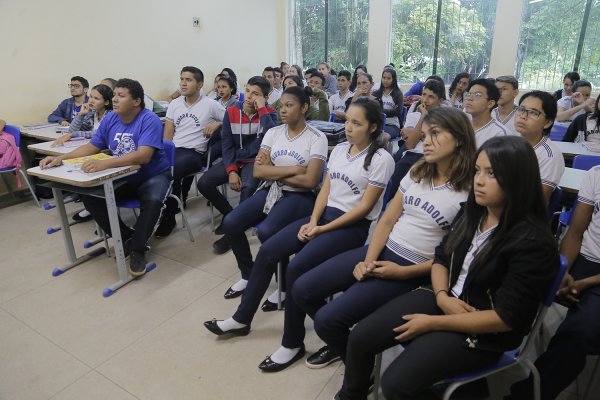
<point x="308" y="90"/>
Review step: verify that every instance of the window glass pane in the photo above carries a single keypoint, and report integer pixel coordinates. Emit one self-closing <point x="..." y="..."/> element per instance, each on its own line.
<point x="548" y="43"/>
<point x="589" y="66"/>
<point x="466" y="33"/>
<point x="347" y="25"/>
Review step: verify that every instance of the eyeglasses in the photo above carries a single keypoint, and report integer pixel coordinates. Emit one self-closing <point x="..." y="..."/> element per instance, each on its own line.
<point x="74" y="86"/>
<point x="527" y="112"/>
<point x="477" y="95"/>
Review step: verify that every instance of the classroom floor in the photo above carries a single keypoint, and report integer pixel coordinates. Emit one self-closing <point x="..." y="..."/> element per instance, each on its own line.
<point x="61" y="340"/>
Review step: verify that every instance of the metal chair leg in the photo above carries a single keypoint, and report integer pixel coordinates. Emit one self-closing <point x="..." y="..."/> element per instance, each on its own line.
<point x="35" y="199"/>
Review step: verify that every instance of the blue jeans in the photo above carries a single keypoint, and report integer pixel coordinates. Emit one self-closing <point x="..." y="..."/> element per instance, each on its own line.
<point x="151" y="193"/>
<point x="292" y="206"/>
<point x="333" y="320"/>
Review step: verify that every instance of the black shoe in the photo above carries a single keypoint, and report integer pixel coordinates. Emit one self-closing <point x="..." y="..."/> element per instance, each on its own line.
<point x="221" y="246"/>
<point x="137" y="263"/>
<point x="214" y="328"/>
<point x="166" y="226"/>
<point x="232" y="293"/>
<point x="219" y="229"/>
<point x="322" y="358"/>
<point x="79" y="218"/>
<point x="268" y="306"/>
<point x="269" y="365"/>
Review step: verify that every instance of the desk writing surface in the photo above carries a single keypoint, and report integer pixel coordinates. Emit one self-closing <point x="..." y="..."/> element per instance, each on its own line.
<point x="46" y="133"/>
<point x="574" y="149"/>
<point x="46" y="147"/>
<point x="69" y="176"/>
<point x="571" y="180"/>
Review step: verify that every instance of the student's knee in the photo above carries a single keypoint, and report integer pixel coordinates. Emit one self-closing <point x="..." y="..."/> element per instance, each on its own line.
<point x="265" y="230"/>
<point x="393" y="387"/>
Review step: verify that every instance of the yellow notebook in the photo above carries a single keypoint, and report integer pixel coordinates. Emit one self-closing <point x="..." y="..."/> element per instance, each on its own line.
<point x="76" y="162"/>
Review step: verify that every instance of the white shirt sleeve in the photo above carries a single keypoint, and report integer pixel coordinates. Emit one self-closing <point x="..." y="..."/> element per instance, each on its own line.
<point x="381" y="168"/>
<point x="552" y="170"/>
<point x="405" y="183"/>
<point x="412" y="119"/>
<point x="319" y="148"/>
<point x="590" y="181"/>
<point x="217" y="111"/>
<point x="268" y="139"/>
<point x="171" y="110"/>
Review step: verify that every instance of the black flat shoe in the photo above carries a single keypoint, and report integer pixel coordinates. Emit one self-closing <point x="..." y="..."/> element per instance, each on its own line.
<point x="79" y="218"/>
<point x="269" y="365"/>
<point x="214" y="328"/>
<point x="232" y="293"/>
<point x="322" y="358"/>
<point x="268" y="306"/>
<point x="221" y="246"/>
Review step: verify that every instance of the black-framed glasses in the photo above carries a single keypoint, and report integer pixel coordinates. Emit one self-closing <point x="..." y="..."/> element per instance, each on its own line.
<point x="477" y="95"/>
<point x="528" y="112"/>
<point x="74" y="86"/>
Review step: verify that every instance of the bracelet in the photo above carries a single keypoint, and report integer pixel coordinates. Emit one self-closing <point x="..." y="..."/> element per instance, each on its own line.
<point x="441" y="290"/>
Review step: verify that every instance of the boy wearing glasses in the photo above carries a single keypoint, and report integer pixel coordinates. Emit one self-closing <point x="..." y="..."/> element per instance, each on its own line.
<point x="508" y="86"/>
<point x="69" y="108"/>
<point x="534" y="119"/>
<point x="481" y="98"/>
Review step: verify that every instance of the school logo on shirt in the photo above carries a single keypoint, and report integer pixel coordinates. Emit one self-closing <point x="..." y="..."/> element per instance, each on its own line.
<point x="291" y="153"/>
<point x="429" y="209"/>
<point x="125" y="144"/>
<point x="187" y="115"/>
<point x="344" y="177"/>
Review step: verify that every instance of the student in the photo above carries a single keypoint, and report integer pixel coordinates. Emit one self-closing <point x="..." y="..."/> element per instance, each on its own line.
<point x="508" y="86"/>
<point x="348" y="202"/>
<point x="457" y="88"/>
<point x="337" y="102"/>
<point x="578" y="334"/>
<point x="489" y="276"/>
<point x="535" y="116"/>
<point x="568" y="80"/>
<point x="312" y="113"/>
<point x="110" y="82"/>
<point x="87" y="120"/>
<point x="330" y="86"/>
<point x="191" y="121"/>
<point x="229" y="73"/>
<point x="585" y="128"/>
<point x="134" y="135"/>
<point x="68" y="108"/>
<point x="290" y="163"/>
<point x="481" y="98"/>
<point x="399" y="256"/>
<point x="243" y="127"/>
<point x="285" y="67"/>
<point x="277" y="79"/>
<point x="364" y="87"/>
<point x="274" y="94"/>
<point x="226" y="91"/>
<point x="360" y="69"/>
<point x="412" y="151"/>
<point x="569" y="107"/>
<point x="319" y="100"/>
<point x="213" y="92"/>
<point x="391" y="100"/>
<point x="295" y="70"/>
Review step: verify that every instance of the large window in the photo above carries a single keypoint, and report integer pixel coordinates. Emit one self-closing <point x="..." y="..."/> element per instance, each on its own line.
<point x="442" y="37"/>
<point x="330" y="30"/>
<point x="558" y="36"/>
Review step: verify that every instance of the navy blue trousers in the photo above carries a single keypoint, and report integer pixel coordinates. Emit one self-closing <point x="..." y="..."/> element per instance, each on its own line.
<point x="292" y="206"/>
<point x="333" y="320"/>
<point x="392" y="130"/>
<point x="187" y="161"/>
<point x="308" y="255"/>
<point x="577" y="337"/>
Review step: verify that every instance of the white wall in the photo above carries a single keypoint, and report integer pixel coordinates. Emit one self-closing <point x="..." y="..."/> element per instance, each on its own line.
<point x="44" y="43"/>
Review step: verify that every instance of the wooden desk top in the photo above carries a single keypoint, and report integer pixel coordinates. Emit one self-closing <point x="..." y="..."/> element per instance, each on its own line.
<point x="69" y="176"/>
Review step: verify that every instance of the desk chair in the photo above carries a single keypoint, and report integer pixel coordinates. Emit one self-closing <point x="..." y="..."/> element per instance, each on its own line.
<point x="558" y="132"/>
<point x="134" y="203"/>
<point x="508" y="359"/>
<point x="16" y="133"/>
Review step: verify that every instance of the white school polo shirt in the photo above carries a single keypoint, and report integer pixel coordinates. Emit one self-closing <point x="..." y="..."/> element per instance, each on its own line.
<point x="412" y="119"/>
<point x="566" y="103"/>
<point x="550" y="159"/>
<point x="390" y="104"/>
<point x="299" y="150"/>
<point x="191" y="119"/>
<point x="508" y="122"/>
<point x="488" y="131"/>
<point x="590" y="194"/>
<point x="428" y="212"/>
<point x="337" y="103"/>
<point x="349" y="179"/>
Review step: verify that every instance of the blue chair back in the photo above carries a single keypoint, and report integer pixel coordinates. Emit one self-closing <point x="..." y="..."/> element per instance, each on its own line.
<point x="241" y="97"/>
<point x="564" y="264"/>
<point x="585" y="162"/>
<point x="558" y="132"/>
<point x="404" y="113"/>
<point x="332" y="117"/>
<point x="15" y="132"/>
